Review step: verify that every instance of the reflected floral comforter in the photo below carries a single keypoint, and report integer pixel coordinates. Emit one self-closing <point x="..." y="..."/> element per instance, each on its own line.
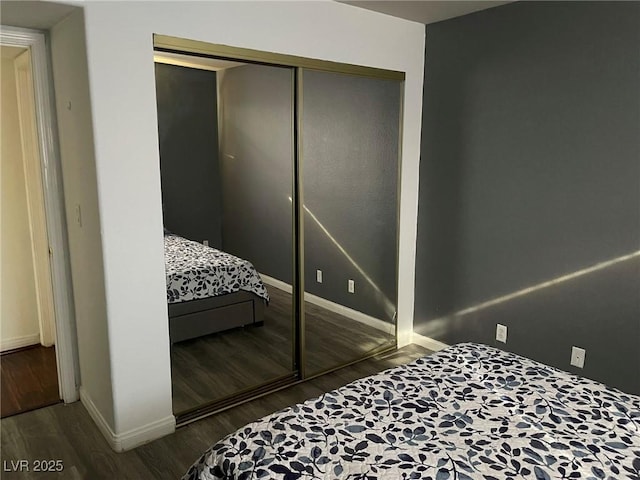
<point x="468" y="412"/>
<point x="197" y="271"/>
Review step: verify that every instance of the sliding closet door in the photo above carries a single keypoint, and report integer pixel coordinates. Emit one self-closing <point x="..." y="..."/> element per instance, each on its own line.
<point x="257" y="158"/>
<point x="349" y="158"/>
<point x="227" y="158"/>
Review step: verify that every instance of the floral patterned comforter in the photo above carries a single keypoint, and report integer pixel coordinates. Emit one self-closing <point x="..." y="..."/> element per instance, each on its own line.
<point x="196" y="271"/>
<point x="467" y="412"/>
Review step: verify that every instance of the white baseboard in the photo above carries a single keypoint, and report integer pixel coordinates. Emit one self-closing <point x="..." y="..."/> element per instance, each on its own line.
<point x="428" y="343"/>
<point x="332" y="306"/>
<point x="130" y="439"/>
<point x="145" y="434"/>
<point x="274" y="282"/>
<point x="19" y="342"/>
<point x="98" y="419"/>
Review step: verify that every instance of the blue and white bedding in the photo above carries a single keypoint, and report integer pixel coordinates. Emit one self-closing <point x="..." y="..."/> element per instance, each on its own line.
<point x="468" y="412"/>
<point x="197" y="271"/>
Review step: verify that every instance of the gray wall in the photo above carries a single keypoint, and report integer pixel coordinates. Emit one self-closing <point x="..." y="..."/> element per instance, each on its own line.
<point x="350" y="176"/>
<point x="256" y="128"/>
<point x="530" y="171"/>
<point x="188" y="134"/>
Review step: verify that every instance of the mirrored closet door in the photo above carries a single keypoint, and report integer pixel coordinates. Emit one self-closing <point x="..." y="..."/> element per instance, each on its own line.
<point x="226" y="153"/>
<point x="350" y="150"/>
<point x="280" y="202"/>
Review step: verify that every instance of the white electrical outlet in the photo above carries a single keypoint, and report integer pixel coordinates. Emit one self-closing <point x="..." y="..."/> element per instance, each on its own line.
<point x="501" y="333"/>
<point x="319" y="276"/>
<point x="205" y="243"/>
<point x="351" y="286"/>
<point x="577" y="356"/>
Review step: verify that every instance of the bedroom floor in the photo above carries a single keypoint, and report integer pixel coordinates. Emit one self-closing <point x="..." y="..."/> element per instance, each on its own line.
<point x="213" y="367"/>
<point x="67" y="433"/>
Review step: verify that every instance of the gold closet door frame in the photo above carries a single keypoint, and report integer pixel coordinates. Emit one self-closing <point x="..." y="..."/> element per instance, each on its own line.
<point x="196" y="47"/>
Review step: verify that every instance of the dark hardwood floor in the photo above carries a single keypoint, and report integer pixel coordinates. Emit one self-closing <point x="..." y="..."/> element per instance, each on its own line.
<point x="216" y="366"/>
<point x="67" y="433"/>
<point x="28" y="380"/>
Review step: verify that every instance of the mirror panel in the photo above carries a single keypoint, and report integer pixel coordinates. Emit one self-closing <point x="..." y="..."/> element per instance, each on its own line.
<point x="226" y="153"/>
<point x="256" y="132"/>
<point x="350" y="150"/>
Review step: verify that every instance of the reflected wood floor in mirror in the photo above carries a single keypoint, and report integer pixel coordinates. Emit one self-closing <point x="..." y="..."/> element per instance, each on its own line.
<point x="216" y="366"/>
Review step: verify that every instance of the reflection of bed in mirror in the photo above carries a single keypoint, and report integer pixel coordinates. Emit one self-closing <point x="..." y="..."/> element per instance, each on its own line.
<point x="209" y="291"/>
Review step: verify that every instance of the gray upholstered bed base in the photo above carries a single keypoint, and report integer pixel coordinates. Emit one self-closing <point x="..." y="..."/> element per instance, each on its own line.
<point x="210" y="315"/>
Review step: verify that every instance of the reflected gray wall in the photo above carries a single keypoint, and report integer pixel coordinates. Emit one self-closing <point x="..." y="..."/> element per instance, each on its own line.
<point x="350" y="164"/>
<point x="349" y="180"/>
<point x="188" y="135"/>
<point x="529" y="171"/>
<point x="256" y="128"/>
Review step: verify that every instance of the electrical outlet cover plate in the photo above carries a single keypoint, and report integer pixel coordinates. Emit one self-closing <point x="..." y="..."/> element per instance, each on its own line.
<point x="351" y="286"/>
<point x="319" y="276"/>
<point x="577" y="356"/>
<point x="501" y="333"/>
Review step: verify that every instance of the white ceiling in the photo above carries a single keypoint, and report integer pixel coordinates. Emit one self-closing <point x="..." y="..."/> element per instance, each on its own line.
<point x="424" y="11"/>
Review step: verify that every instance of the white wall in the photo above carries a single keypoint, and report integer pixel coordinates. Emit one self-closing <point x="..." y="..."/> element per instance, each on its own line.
<point x="121" y="74"/>
<point x="80" y="188"/>
<point x="19" y="325"/>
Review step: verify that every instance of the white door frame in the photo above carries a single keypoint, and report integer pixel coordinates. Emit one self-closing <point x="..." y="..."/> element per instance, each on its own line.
<point x="66" y="339"/>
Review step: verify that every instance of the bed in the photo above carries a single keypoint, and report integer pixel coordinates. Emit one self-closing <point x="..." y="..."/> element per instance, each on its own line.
<point x="209" y="291"/>
<point x="468" y="412"/>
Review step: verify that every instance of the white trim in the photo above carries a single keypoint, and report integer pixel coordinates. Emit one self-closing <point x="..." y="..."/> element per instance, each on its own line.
<point x="130" y="439"/>
<point x="427" y="342"/>
<point x="66" y="343"/>
<point x="332" y="306"/>
<point x="274" y="282"/>
<point x="19" y="342"/>
<point x="97" y="417"/>
<point x="350" y="313"/>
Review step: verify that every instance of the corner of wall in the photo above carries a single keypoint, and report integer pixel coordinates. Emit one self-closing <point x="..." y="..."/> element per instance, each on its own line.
<point x="77" y="158"/>
<point x="121" y="442"/>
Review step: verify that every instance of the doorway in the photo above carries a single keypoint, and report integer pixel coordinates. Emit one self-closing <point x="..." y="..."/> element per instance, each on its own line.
<point x="37" y="337"/>
<point x="27" y="330"/>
